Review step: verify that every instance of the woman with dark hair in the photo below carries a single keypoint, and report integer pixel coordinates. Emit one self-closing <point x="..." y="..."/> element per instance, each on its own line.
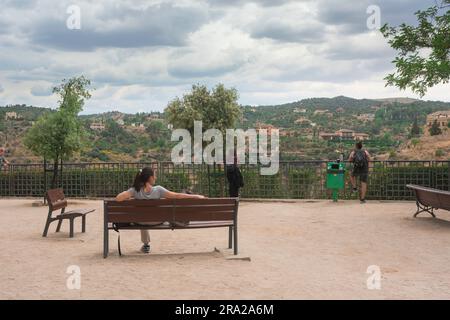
<point x="144" y="188"/>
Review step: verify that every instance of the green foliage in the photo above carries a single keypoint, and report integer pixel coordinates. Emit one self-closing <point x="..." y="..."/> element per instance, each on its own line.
<point x="390" y="182"/>
<point x="98" y="154"/>
<point x="176" y="181"/>
<point x="415" y="130"/>
<point x="440" y="153"/>
<point x="261" y="186"/>
<point x="301" y="183"/>
<point x="59" y="135"/>
<point x="415" y="142"/>
<point x="435" y="129"/>
<point x="415" y="69"/>
<point x="217" y="109"/>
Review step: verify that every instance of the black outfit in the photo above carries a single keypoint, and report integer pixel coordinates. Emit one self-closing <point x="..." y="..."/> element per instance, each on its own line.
<point x="362" y="172"/>
<point x="235" y="180"/>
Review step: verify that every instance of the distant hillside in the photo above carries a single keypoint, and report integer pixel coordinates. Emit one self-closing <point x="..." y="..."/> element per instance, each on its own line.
<point x="426" y="147"/>
<point x="28" y="113"/>
<point x="117" y="136"/>
<point x="398" y="100"/>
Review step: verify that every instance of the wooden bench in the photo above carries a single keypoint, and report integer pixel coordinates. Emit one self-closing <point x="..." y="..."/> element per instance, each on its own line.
<point x="56" y="200"/>
<point x="196" y="213"/>
<point x="430" y="199"/>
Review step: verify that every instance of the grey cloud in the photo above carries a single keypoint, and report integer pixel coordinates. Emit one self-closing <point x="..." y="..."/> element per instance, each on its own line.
<point x="264" y="3"/>
<point x="186" y="71"/>
<point x="351" y="16"/>
<point x="17" y="3"/>
<point x="1" y="89"/>
<point x="325" y="73"/>
<point x="278" y="30"/>
<point x="41" y="91"/>
<point x="163" y="25"/>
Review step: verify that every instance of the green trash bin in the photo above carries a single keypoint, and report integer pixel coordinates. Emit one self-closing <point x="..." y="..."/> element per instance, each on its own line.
<point x="335" y="177"/>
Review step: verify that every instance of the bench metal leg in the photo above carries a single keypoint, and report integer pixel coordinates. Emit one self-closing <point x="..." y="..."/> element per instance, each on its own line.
<point x="105" y="242"/>
<point x="235" y="239"/>
<point x="83" y="224"/>
<point x="230" y="237"/>
<point x="71" y="228"/>
<point x="421" y="209"/>
<point x="47" y="224"/>
<point x="58" y="228"/>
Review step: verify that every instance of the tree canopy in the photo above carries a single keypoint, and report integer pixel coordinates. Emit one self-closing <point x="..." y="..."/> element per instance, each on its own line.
<point x="217" y="108"/>
<point x="58" y="135"/>
<point x="423" y="59"/>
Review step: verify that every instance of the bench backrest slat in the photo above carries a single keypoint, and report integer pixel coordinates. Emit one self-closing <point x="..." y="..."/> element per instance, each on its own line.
<point x="444" y="201"/>
<point x="220" y="209"/>
<point x="428" y="198"/>
<point x="56" y="199"/>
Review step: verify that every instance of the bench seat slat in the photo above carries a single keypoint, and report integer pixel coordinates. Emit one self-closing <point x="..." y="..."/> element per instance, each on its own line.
<point x="171" y="208"/>
<point x="156" y="217"/>
<point x="191" y="225"/>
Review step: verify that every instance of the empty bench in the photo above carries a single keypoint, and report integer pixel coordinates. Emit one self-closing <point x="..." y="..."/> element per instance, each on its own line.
<point x="56" y="201"/>
<point x="176" y="213"/>
<point x="430" y="199"/>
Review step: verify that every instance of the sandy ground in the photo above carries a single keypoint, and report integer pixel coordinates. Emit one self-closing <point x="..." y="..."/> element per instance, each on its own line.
<point x="300" y="250"/>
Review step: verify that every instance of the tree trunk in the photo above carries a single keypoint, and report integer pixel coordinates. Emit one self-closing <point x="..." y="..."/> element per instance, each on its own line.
<point x="55" y="173"/>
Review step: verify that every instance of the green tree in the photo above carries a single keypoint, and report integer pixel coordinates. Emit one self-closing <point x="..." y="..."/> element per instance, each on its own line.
<point x="423" y="50"/>
<point x="435" y="130"/>
<point x="59" y="135"/>
<point x="217" y="108"/>
<point x="415" y="130"/>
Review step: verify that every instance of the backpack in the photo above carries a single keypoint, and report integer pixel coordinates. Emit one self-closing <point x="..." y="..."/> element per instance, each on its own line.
<point x="360" y="159"/>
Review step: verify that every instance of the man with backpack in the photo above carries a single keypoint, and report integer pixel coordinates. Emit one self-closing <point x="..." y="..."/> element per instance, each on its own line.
<point x="360" y="159"/>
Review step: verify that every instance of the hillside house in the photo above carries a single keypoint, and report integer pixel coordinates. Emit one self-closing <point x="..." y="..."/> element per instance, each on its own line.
<point x="320" y="112"/>
<point x="287" y="133"/>
<point x="268" y="127"/>
<point x="344" y="134"/>
<point x="441" y="117"/>
<point x="303" y="120"/>
<point x="153" y="116"/>
<point x="11" y="116"/>
<point x="366" y="117"/>
<point x="97" y="126"/>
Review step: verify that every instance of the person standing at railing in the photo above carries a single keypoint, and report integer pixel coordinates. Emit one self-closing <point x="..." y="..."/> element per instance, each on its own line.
<point x="3" y="162"/>
<point x="360" y="159"/>
<point x="234" y="177"/>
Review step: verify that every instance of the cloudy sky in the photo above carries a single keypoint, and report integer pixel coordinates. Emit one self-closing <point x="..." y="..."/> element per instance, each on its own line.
<point x="141" y="54"/>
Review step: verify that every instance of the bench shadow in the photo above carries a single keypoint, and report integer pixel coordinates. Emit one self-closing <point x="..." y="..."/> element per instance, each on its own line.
<point x="430" y="222"/>
<point x="59" y="237"/>
<point x="130" y="256"/>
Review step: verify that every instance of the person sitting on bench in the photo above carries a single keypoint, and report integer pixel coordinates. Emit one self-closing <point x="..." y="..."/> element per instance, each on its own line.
<point x="144" y="188"/>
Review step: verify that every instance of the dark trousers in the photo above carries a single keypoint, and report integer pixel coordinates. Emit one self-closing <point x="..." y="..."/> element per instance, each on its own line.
<point x="234" y="191"/>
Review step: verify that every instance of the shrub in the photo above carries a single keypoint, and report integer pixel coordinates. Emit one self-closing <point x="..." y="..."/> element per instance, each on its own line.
<point x="440" y="153"/>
